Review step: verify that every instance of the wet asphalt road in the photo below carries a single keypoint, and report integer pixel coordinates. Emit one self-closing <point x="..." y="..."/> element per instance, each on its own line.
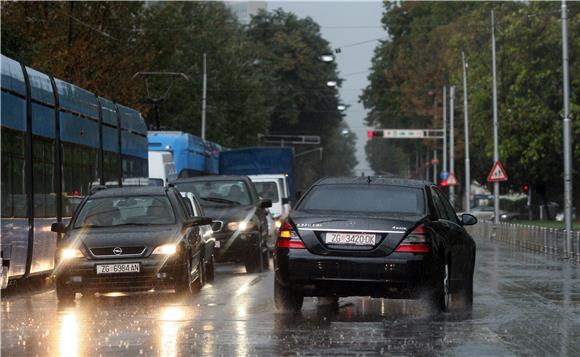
<point x="525" y="304"/>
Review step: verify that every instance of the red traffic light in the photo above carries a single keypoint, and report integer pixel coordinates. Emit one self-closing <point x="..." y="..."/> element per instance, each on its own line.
<point x="374" y="133"/>
<point x="443" y="183"/>
<point x="526" y="188"/>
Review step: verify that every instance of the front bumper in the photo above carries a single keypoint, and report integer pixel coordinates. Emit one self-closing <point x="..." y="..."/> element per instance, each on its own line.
<point x="398" y="275"/>
<point x="156" y="272"/>
<point x="233" y="247"/>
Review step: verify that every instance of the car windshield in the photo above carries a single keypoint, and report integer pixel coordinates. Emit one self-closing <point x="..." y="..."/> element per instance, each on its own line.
<point x="120" y="211"/>
<point x="234" y="192"/>
<point x="372" y="199"/>
<point x="268" y="190"/>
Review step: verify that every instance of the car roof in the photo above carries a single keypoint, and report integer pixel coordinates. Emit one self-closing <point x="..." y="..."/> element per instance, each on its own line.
<point x="374" y="180"/>
<point x="212" y="178"/>
<point x="131" y="191"/>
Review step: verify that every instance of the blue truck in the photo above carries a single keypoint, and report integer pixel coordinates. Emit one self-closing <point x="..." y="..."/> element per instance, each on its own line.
<point x="260" y="161"/>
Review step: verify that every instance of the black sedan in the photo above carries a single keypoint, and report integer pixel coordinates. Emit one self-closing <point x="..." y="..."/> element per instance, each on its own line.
<point x="240" y="224"/>
<point x="133" y="239"/>
<point x="373" y="236"/>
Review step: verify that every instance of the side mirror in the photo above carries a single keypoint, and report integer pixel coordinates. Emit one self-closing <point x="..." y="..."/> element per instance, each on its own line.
<point x="285" y="200"/>
<point x="265" y="203"/>
<point x="58" y="227"/>
<point x="468" y="219"/>
<point x="198" y="221"/>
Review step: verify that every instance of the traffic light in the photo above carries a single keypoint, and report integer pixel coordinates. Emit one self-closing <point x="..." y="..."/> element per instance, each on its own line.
<point x="525" y="188"/>
<point x="443" y="183"/>
<point x="375" y="133"/>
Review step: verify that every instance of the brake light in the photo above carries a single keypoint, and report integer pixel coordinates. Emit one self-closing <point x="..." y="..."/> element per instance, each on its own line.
<point x="287" y="238"/>
<point x="415" y="242"/>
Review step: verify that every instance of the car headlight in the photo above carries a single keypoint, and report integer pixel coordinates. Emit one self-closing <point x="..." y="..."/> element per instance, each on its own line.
<point x="70" y="253"/>
<point x="278" y="223"/>
<point x="166" y="249"/>
<point x="240" y="226"/>
<point x="504" y="216"/>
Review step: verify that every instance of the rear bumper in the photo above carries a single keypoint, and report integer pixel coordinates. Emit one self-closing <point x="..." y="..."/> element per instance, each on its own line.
<point x="398" y="275"/>
<point x="155" y="273"/>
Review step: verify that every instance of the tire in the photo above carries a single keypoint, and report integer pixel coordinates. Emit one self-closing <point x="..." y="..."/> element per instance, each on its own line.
<point x="254" y="262"/>
<point x="286" y="298"/>
<point x="441" y="293"/>
<point x="210" y="272"/>
<point x="64" y="293"/>
<point x="184" y="286"/>
<point x="200" y="281"/>
<point x="466" y="292"/>
<point x="266" y="258"/>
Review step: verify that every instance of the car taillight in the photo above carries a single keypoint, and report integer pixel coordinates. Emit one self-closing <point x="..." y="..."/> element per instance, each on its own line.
<point x="288" y="238"/>
<point x="415" y="242"/>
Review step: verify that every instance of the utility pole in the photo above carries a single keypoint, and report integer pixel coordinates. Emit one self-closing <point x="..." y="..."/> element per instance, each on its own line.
<point x="444" y="168"/>
<point x="451" y="142"/>
<point x="495" y="121"/>
<point x="204" y="97"/>
<point x="466" y="122"/>
<point x="435" y="167"/>
<point x="567" y="133"/>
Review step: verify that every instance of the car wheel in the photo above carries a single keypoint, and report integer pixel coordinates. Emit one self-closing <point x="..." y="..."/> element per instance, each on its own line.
<point x="200" y="281"/>
<point x="64" y="293"/>
<point x="441" y="293"/>
<point x="254" y="261"/>
<point x="466" y="293"/>
<point x="185" y="283"/>
<point x="210" y="272"/>
<point x="286" y="298"/>
<point x="266" y="258"/>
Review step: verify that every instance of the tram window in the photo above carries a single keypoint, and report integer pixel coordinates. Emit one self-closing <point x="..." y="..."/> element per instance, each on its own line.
<point x="13" y="183"/>
<point x="44" y="180"/>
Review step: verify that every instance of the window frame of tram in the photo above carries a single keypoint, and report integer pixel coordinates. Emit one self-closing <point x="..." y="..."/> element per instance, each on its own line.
<point x="13" y="178"/>
<point x="80" y="170"/>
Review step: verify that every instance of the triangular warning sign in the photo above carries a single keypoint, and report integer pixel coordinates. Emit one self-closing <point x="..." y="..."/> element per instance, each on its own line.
<point x="497" y="173"/>
<point x="452" y="180"/>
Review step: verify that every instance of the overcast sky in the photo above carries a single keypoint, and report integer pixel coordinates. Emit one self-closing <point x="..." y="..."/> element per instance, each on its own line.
<point x="344" y="24"/>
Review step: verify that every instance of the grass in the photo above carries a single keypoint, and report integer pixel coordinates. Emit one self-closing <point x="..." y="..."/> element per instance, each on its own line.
<point x="547" y="224"/>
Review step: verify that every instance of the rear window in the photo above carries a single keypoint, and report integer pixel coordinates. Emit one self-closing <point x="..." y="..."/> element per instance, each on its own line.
<point x="374" y="199"/>
<point x="267" y="190"/>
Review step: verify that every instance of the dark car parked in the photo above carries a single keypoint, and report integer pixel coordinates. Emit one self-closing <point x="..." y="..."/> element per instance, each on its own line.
<point x="240" y="226"/>
<point x="133" y="239"/>
<point x="373" y="236"/>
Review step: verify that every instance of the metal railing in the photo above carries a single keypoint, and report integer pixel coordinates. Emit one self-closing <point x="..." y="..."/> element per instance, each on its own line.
<point x="549" y="241"/>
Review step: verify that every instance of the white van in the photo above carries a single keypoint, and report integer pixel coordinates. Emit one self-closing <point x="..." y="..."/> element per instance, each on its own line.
<point x="162" y="166"/>
<point x="274" y="187"/>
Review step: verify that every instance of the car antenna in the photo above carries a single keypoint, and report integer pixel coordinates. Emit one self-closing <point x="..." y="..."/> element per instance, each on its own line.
<point x="369" y="180"/>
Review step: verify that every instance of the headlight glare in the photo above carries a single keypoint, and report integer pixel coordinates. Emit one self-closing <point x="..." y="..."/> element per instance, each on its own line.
<point x="69" y="253"/>
<point x="240" y="226"/>
<point x="166" y="249"/>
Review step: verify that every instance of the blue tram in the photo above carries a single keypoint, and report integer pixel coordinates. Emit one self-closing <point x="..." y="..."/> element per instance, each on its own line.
<point x="57" y="140"/>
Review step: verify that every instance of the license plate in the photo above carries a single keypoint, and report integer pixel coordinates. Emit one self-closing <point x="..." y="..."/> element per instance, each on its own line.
<point x="218" y="244"/>
<point x="350" y="238"/>
<point x="118" y="268"/>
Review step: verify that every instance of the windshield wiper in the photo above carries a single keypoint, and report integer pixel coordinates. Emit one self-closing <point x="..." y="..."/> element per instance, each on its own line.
<point x="91" y="226"/>
<point x="220" y="200"/>
<point x="131" y="224"/>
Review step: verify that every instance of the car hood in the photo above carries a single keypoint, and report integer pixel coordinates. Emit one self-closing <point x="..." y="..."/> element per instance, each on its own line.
<point x="230" y="213"/>
<point x="149" y="236"/>
<point x="391" y="230"/>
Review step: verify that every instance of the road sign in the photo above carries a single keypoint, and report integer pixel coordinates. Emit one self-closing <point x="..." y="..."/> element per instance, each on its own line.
<point x="497" y="173"/>
<point x="406" y="133"/>
<point x="444" y="175"/>
<point x="451" y="180"/>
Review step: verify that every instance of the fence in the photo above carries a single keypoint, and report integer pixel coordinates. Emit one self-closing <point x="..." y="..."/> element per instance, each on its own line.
<point x="548" y="241"/>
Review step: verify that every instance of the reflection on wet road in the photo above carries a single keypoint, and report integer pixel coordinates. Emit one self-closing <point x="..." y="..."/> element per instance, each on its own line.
<point x="524" y="305"/>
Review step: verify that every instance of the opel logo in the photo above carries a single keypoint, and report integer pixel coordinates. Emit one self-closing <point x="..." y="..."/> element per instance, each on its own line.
<point x="117" y="250"/>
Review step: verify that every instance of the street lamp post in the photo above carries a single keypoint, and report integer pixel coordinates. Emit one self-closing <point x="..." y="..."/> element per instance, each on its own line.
<point x="466" y="122"/>
<point x="452" y="142"/>
<point x="204" y="97"/>
<point x="444" y="168"/>
<point x="495" y="122"/>
<point x="567" y="133"/>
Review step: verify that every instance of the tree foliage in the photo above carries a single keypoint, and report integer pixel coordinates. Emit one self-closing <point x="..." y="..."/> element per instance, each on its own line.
<point x="262" y="78"/>
<point x="423" y="53"/>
